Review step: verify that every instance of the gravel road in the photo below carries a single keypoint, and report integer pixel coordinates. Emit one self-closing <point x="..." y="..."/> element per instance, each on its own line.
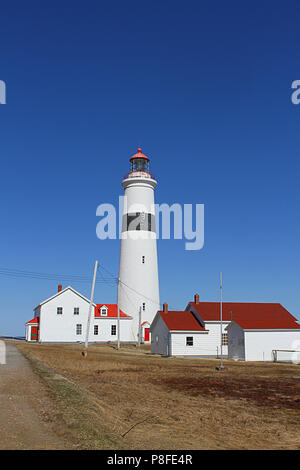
<point x="24" y="403"/>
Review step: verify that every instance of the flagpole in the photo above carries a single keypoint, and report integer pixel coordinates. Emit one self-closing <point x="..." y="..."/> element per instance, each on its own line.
<point x="221" y="320"/>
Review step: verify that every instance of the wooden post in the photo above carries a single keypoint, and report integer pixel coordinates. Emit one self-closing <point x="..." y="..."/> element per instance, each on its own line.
<point x="118" y="313"/>
<point x="140" y="327"/>
<point x="90" y="311"/>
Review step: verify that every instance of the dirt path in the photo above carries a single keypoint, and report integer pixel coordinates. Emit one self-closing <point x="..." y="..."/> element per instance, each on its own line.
<point x="23" y="403"/>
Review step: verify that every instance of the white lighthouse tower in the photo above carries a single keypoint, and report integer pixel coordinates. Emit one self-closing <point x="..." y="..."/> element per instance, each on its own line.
<point x="138" y="288"/>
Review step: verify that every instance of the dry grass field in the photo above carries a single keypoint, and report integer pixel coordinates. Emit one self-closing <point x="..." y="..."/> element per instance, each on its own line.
<point x="129" y="399"/>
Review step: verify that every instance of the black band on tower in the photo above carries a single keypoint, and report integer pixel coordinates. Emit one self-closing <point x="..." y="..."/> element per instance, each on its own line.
<point x="138" y="221"/>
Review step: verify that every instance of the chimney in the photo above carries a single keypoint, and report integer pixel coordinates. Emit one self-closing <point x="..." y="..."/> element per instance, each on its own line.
<point x="196" y="298"/>
<point x="165" y="310"/>
<point x="59" y="288"/>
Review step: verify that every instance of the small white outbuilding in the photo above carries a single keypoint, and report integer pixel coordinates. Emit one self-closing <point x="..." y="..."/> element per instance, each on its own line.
<point x="265" y="340"/>
<point x="176" y="333"/>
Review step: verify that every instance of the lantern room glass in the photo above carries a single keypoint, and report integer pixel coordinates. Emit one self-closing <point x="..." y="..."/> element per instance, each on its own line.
<point x="139" y="164"/>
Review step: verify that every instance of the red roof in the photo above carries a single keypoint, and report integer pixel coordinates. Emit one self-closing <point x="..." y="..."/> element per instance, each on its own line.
<point x="267" y="324"/>
<point x="248" y="315"/>
<point x="35" y="320"/>
<point x="184" y="321"/>
<point x="139" y="154"/>
<point x="112" y="311"/>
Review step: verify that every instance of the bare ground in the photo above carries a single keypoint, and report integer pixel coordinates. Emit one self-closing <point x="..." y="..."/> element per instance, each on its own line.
<point x="24" y="404"/>
<point x="129" y="399"/>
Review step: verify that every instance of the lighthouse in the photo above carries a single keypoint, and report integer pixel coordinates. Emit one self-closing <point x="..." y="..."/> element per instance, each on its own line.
<point x="138" y="287"/>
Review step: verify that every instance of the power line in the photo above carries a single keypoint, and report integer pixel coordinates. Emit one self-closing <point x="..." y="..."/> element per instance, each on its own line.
<point x="16" y="273"/>
<point x="149" y="298"/>
<point x="109" y="281"/>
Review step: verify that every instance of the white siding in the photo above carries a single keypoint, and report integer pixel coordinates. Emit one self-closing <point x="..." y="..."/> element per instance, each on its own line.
<point x="178" y="345"/>
<point x="212" y="345"/>
<point x="62" y="327"/>
<point x="259" y="344"/>
<point x="206" y="343"/>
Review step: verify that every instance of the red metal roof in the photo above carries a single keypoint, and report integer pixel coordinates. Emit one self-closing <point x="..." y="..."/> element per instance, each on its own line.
<point x="35" y="320"/>
<point x="139" y="154"/>
<point x="184" y="321"/>
<point x="112" y="311"/>
<point x="249" y="315"/>
<point x="267" y="324"/>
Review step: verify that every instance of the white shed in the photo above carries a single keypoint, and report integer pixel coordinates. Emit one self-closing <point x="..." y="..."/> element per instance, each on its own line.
<point x="177" y="333"/>
<point x="263" y="340"/>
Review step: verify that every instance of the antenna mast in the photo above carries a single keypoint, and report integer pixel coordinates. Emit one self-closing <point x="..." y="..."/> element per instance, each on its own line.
<point x="221" y="321"/>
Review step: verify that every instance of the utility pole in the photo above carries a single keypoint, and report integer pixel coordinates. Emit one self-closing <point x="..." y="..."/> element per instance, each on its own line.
<point x="90" y="311"/>
<point x="140" y="327"/>
<point x="118" y="313"/>
<point x="221" y="321"/>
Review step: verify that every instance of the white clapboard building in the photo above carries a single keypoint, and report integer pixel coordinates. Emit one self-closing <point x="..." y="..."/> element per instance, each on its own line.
<point x="63" y="317"/>
<point x="176" y="333"/>
<point x="250" y="331"/>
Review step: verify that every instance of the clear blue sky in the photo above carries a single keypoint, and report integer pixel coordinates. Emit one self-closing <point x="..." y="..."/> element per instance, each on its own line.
<point x="204" y="88"/>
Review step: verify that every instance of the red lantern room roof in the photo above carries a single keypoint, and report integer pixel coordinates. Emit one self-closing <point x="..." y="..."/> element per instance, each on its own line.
<point x="139" y="154"/>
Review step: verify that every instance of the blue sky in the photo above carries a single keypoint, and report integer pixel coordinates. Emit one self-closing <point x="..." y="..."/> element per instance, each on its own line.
<point x="204" y="88"/>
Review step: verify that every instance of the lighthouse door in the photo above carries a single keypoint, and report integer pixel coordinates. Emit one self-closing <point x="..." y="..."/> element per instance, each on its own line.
<point x="146" y="334"/>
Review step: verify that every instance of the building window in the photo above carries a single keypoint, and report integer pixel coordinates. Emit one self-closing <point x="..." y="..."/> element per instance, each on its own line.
<point x="143" y="259"/>
<point x="144" y="306"/>
<point x="113" y="330"/>
<point x="79" y="329"/>
<point x="96" y="329"/>
<point x="59" y="310"/>
<point x="224" y="339"/>
<point x="76" y="310"/>
<point x="189" y="340"/>
<point x="104" y="312"/>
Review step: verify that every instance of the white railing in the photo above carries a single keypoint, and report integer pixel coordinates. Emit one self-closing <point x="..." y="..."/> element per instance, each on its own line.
<point x="139" y="174"/>
<point x="295" y="355"/>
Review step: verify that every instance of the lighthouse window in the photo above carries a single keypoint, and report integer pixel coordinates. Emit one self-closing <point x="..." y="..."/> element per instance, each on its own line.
<point x="139" y="164"/>
<point x="144" y="306"/>
<point x="143" y="259"/>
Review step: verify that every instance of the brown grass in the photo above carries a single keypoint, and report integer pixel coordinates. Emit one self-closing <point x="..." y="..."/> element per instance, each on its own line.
<point x="149" y="402"/>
